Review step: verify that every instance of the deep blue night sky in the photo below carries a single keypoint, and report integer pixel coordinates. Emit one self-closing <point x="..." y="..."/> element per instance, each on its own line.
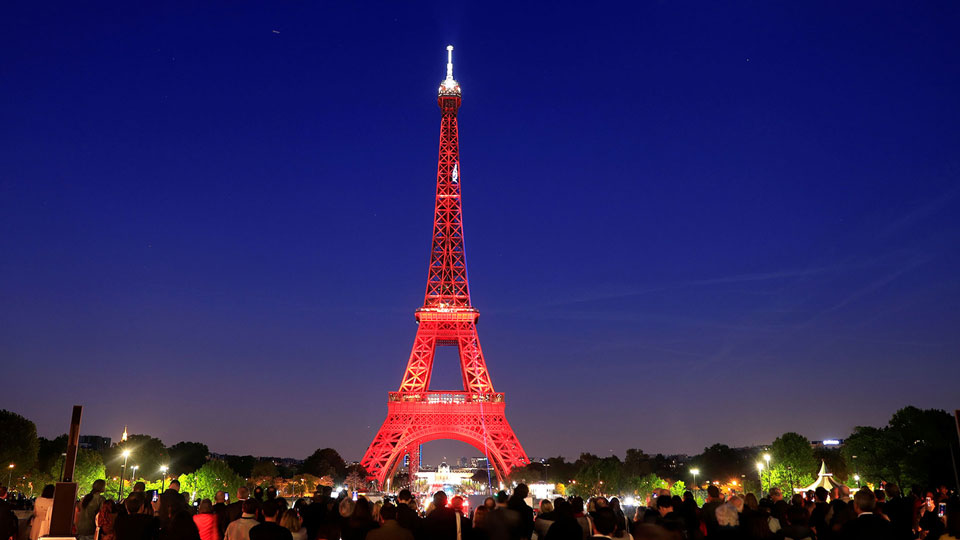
<point x="686" y="222"/>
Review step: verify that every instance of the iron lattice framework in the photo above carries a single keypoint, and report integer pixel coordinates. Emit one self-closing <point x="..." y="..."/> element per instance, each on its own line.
<point x="415" y="414"/>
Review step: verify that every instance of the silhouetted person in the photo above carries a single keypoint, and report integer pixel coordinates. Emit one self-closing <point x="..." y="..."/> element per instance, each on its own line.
<point x="180" y="526"/>
<point x="360" y="522"/>
<point x="239" y="529"/>
<point x="220" y="509"/>
<point x="708" y="511"/>
<point x="604" y="522"/>
<point x="206" y="521"/>
<point x="235" y="509"/>
<point x="565" y="526"/>
<point x="517" y="503"/>
<point x="406" y="516"/>
<point x="314" y="513"/>
<point x="818" y="518"/>
<point x="867" y="525"/>
<point x="89" y="508"/>
<point x="270" y="529"/>
<point x="9" y="525"/>
<point x="441" y="523"/>
<point x="136" y="523"/>
<point x="796" y="524"/>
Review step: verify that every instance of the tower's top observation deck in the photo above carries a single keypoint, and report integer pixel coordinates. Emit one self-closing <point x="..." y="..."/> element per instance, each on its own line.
<point x="449" y="87"/>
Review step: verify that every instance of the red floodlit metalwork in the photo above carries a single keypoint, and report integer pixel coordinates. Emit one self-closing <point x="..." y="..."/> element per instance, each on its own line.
<point x="475" y="414"/>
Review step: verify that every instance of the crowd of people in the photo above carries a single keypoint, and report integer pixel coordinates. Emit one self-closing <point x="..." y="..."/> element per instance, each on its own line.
<point x="264" y="515"/>
<point x="815" y="515"/>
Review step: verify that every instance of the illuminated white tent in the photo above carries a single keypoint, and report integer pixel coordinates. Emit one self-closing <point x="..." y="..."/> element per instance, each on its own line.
<point x="824" y="480"/>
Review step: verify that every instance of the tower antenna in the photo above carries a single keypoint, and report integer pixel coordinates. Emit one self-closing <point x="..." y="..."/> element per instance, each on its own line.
<point x="449" y="62"/>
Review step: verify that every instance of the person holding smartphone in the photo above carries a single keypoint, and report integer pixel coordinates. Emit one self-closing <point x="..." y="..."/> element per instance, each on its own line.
<point x="931" y="523"/>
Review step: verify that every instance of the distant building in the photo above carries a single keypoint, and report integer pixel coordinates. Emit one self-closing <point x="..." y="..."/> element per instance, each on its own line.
<point x="827" y="443"/>
<point x="473" y="462"/>
<point x="94" y="442"/>
<point x="443" y="476"/>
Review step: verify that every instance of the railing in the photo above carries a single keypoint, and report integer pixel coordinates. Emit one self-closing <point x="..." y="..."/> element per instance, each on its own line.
<point x="445" y="397"/>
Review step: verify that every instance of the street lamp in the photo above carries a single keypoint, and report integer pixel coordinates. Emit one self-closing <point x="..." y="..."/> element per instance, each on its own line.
<point x="695" y="472"/>
<point x="10" y="475"/>
<point x="766" y="458"/>
<point x="857" y="478"/>
<point x="123" y="472"/>
<point x="760" y="475"/>
<point x="856" y="469"/>
<point x="133" y="473"/>
<point x="163" y="479"/>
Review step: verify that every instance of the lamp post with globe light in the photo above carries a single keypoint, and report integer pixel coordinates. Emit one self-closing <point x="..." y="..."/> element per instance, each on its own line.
<point x="857" y="478"/>
<point x="760" y="475"/>
<point x="10" y="475"/>
<point x="695" y="472"/>
<point x="163" y="479"/>
<point x="766" y="467"/>
<point x="123" y="473"/>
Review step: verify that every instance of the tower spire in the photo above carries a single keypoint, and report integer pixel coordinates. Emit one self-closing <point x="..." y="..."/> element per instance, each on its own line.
<point x="449" y="62"/>
<point x="449" y="86"/>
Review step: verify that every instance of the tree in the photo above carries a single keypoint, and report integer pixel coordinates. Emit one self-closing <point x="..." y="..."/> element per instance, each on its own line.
<point x="50" y="451"/>
<point x="264" y="468"/>
<point x="678" y="488"/>
<point x="636" y="463"/>
<point x="359" y="469"/>
<point x="18" y="441"/>
<point x="146" y="452"/>
<point x="663" y="466"/>
<point x="242" y="465"/>
<point x="872" y="454"/>
<point x="794" y="450"/>
<point x="215" y="475"/>
<point x="913" y="449"/>
<point x="836" y="464"/>
<point x="326" y="462"/>
<point x="785" y="478"/>
<point x="558" y="470"/>
<point x="644" y="485"/>
<point x="599" y="475"/>
<point x="528" y="474"/>
<point x="88" y="468"/>
<point x="186" y="457"/>
<point x="355" y="482"/>
<point x="925" y="437"/>
<point x="719" y="462"/>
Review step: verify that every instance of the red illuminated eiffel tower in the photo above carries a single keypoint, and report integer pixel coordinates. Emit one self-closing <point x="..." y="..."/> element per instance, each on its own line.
<point x="416" y="414"/>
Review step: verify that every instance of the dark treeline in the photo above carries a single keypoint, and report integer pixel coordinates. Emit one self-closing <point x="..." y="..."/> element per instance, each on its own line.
<point x="914" y="448"/>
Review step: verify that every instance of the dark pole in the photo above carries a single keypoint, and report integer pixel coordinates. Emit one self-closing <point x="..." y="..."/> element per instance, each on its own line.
<point x="956" y="479"/>
<point x="123" y="473"/>
<point x="65" y="494"/>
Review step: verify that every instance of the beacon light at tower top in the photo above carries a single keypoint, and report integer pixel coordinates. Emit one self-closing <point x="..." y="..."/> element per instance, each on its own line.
<point x="449" y="86"/>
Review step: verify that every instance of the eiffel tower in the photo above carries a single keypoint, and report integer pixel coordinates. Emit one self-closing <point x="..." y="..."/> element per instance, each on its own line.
<point x="474" y="414"/>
